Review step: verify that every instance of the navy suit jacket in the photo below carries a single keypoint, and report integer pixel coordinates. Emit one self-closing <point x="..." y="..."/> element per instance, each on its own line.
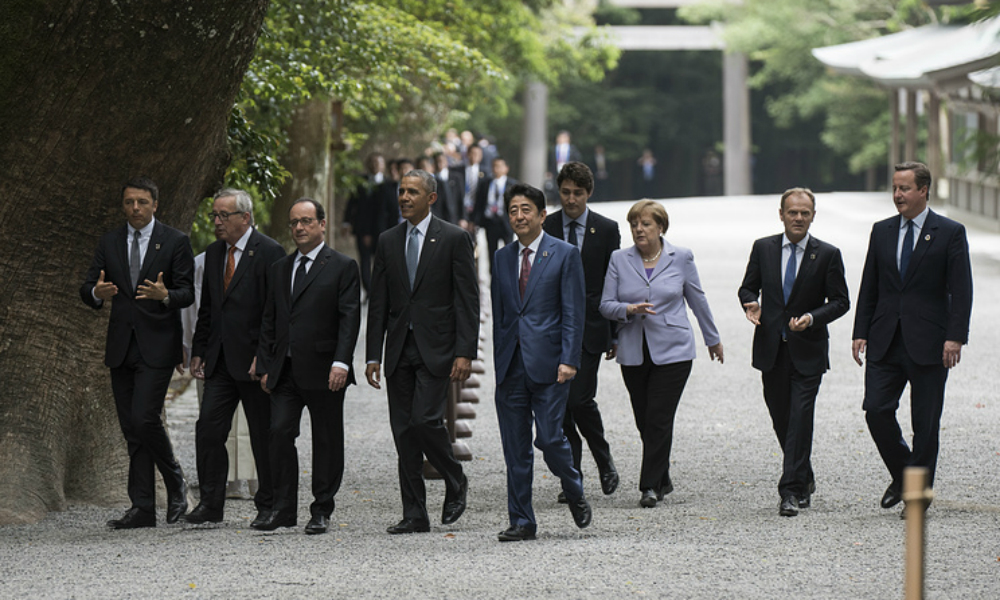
<point x="320" y="324"/>
<point x="548" y="322"/>
<point x="157" y="326"/>
<point x="931" y="304"/>
<point x="820" y="290"/>
<point x="231" y="318"/>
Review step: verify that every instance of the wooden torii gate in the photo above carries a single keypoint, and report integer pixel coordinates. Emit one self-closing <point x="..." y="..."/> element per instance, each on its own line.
<point x="736" y="95"/>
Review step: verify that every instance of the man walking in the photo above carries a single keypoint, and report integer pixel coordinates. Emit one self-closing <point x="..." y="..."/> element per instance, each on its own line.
<point x="793" y="288"/>
<point x="144" y="269"/>
<point x="424" y="305"/>
<point x="911" y="322"/>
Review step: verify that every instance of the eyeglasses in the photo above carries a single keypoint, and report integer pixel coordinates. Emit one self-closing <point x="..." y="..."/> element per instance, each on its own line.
<point x="223" y="215"/>
<point x="304" y="221"/>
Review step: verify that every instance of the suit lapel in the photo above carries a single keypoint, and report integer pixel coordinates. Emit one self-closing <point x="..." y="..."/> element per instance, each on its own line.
<point x="122" y="242"/>
<point x="891" y="244"/>
<point x="245" y="261"/>
<point x="928" y="233"/>
<point x="807" y="267"/>
<point x="431" y="243"/>
<point x="321" y="259"/>
<point x="545" y="255"/>
<point x="666" y="257"/>
<point x="400" y="255"/>
<point x="155" y="243"/>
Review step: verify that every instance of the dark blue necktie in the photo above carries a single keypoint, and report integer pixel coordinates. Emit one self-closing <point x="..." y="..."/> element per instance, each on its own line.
<point x="300" y="277"/>
<point x="572" y="235"/>
<point x="907" y="252"/>
<point x="789" y="273"/>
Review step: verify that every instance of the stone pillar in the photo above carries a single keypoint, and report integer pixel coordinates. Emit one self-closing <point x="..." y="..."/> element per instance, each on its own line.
<point x="911" y="125"/>
<point x="736" y="125"/>
<point x="534" y="160"/>
<point x="894" y="142"/>
<point x="934" y="142"/>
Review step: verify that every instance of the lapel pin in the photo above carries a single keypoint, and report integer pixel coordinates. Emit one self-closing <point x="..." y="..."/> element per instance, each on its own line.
<point x="812" y="257"/>
<point x="546" y="253"/>
<point x="927" y="237"/>
<point x="433" y="240"/>
<point x="250" y="253"/>
<point x="592" y="230"/>
<point x="157" y="246"/>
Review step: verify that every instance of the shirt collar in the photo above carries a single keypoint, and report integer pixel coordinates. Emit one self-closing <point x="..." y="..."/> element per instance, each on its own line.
<point x="242" y="242"/>
<point x="582" y="219"/>
<point x="533" y="246"/>
<point x="312" y="253"/>
<point x="802" y="243"/>
<point x="145" y="232"/>
<point x="422" y="226"/>
<point x="918" y="221"/>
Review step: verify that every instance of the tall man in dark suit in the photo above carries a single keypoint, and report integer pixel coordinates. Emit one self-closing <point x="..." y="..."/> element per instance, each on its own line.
<point x="145" y="269"/>
<point x="451" y="189"/>
<point x="596" y="237"/>
<point x="539" y="308"/>
<point x="425" y="306"/>
<point x="367" y="214"/>
<point x="489" y="211"/>
<point x="793" y="288"/>
<point x="911" y="322"/>
<point x="307" y="336"/>
<point x="224" y="348"/>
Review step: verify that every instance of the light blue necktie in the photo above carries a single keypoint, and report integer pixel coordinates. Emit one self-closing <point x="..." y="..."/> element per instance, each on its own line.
<point x="412" y="255"/>
<point x="789" y="273"/>
<point x="907" y="252"/>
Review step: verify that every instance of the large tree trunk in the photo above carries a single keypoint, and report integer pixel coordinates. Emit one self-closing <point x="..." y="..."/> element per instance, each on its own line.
<point x="92" y="93"/>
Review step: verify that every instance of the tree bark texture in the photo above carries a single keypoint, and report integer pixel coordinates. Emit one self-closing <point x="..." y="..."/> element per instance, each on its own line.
<point x="91" y="94"/>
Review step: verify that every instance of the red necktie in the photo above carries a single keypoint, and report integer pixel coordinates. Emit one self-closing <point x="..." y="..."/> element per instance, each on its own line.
<point x="230" y="268"/>
<point x="525" y="270"/>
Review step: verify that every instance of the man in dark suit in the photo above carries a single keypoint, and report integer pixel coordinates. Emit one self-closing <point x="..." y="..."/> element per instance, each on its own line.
<point x="911" y="321"/>
<point x="564" y="152"/>
<point x="451" y="189"/>
<point x="489" y="211"/>
<point x="224" y="348"/>
<point x="307" y="336"/>
<point x="596" y="237"/>
<point x="539" y="308"/>
<point x="145" y="269"/>
<point x="425" y="306"/>
<point x="366" y="214"/>
<point x="793" y="288"/>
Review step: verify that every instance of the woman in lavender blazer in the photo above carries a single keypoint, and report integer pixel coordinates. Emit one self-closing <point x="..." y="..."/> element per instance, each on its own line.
<point x="646" y="292"/>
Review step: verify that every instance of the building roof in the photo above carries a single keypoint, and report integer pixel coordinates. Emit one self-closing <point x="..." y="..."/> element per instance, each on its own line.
<point x="924" y="57"/>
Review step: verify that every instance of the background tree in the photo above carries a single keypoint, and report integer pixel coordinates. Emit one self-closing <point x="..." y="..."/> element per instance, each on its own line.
<point x="92" y="93"/>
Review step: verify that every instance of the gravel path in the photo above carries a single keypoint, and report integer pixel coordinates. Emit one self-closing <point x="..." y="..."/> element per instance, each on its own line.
<point x="717" y="536"/>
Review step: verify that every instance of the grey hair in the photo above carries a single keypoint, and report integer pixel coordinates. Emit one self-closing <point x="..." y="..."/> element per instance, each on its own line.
<point x="244" y="203"/>
<point x="429" y="181"/>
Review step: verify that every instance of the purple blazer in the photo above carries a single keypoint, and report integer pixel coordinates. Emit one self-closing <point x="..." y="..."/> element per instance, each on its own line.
<point x="668" y="333"/>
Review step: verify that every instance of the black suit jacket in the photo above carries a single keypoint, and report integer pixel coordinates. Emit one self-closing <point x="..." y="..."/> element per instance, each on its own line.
<point x="482" y="201"/>
<point x="601" y="237"/>
<point x="232" y="318"/>
<point x="820" y="289"/>
<point x="931" y="304"/>
<point x="443" y="305"/>
<point x="320" y="325"/>
<point x="450" y="195"/>
<point x="157" y="327"/>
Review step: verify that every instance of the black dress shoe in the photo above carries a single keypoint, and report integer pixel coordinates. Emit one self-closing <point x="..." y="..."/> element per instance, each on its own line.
<point x="609" y="481"/>
<point x="262" y="516"/>
<point x="134" y="518"/>
<point x="203" y="514"/>
<point x="409" y="526"/>
<point x="789" y="506"/>
<point x="805" y="501"/>
<point x="516" y="533"/>
<point x="275" y="520"/>
<point x="318" y="524"/>
<point x="581" y="512"/>
<point x="649" y="498"/>
<point x="177" y="503"/>
<point x="893" y="495"/>
<point x="666" y="487"/>
<point x="454" y="504"/>
<point x="561" y="498"/>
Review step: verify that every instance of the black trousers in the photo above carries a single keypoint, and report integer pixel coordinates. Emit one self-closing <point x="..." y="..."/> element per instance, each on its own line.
<point x="582" y="413"/>
<point x="139" y="392"/>
<point x="655" y="391"/>
<point x="326" y="412"/>
<point x="417" y="402"/>
<point x="223" y="394"/>
<point x="791" y="399"/>
<point x="884" y="383"/>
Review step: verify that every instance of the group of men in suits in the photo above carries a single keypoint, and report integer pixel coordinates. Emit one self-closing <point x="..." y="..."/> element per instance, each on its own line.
<point x="911" y="321"/>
